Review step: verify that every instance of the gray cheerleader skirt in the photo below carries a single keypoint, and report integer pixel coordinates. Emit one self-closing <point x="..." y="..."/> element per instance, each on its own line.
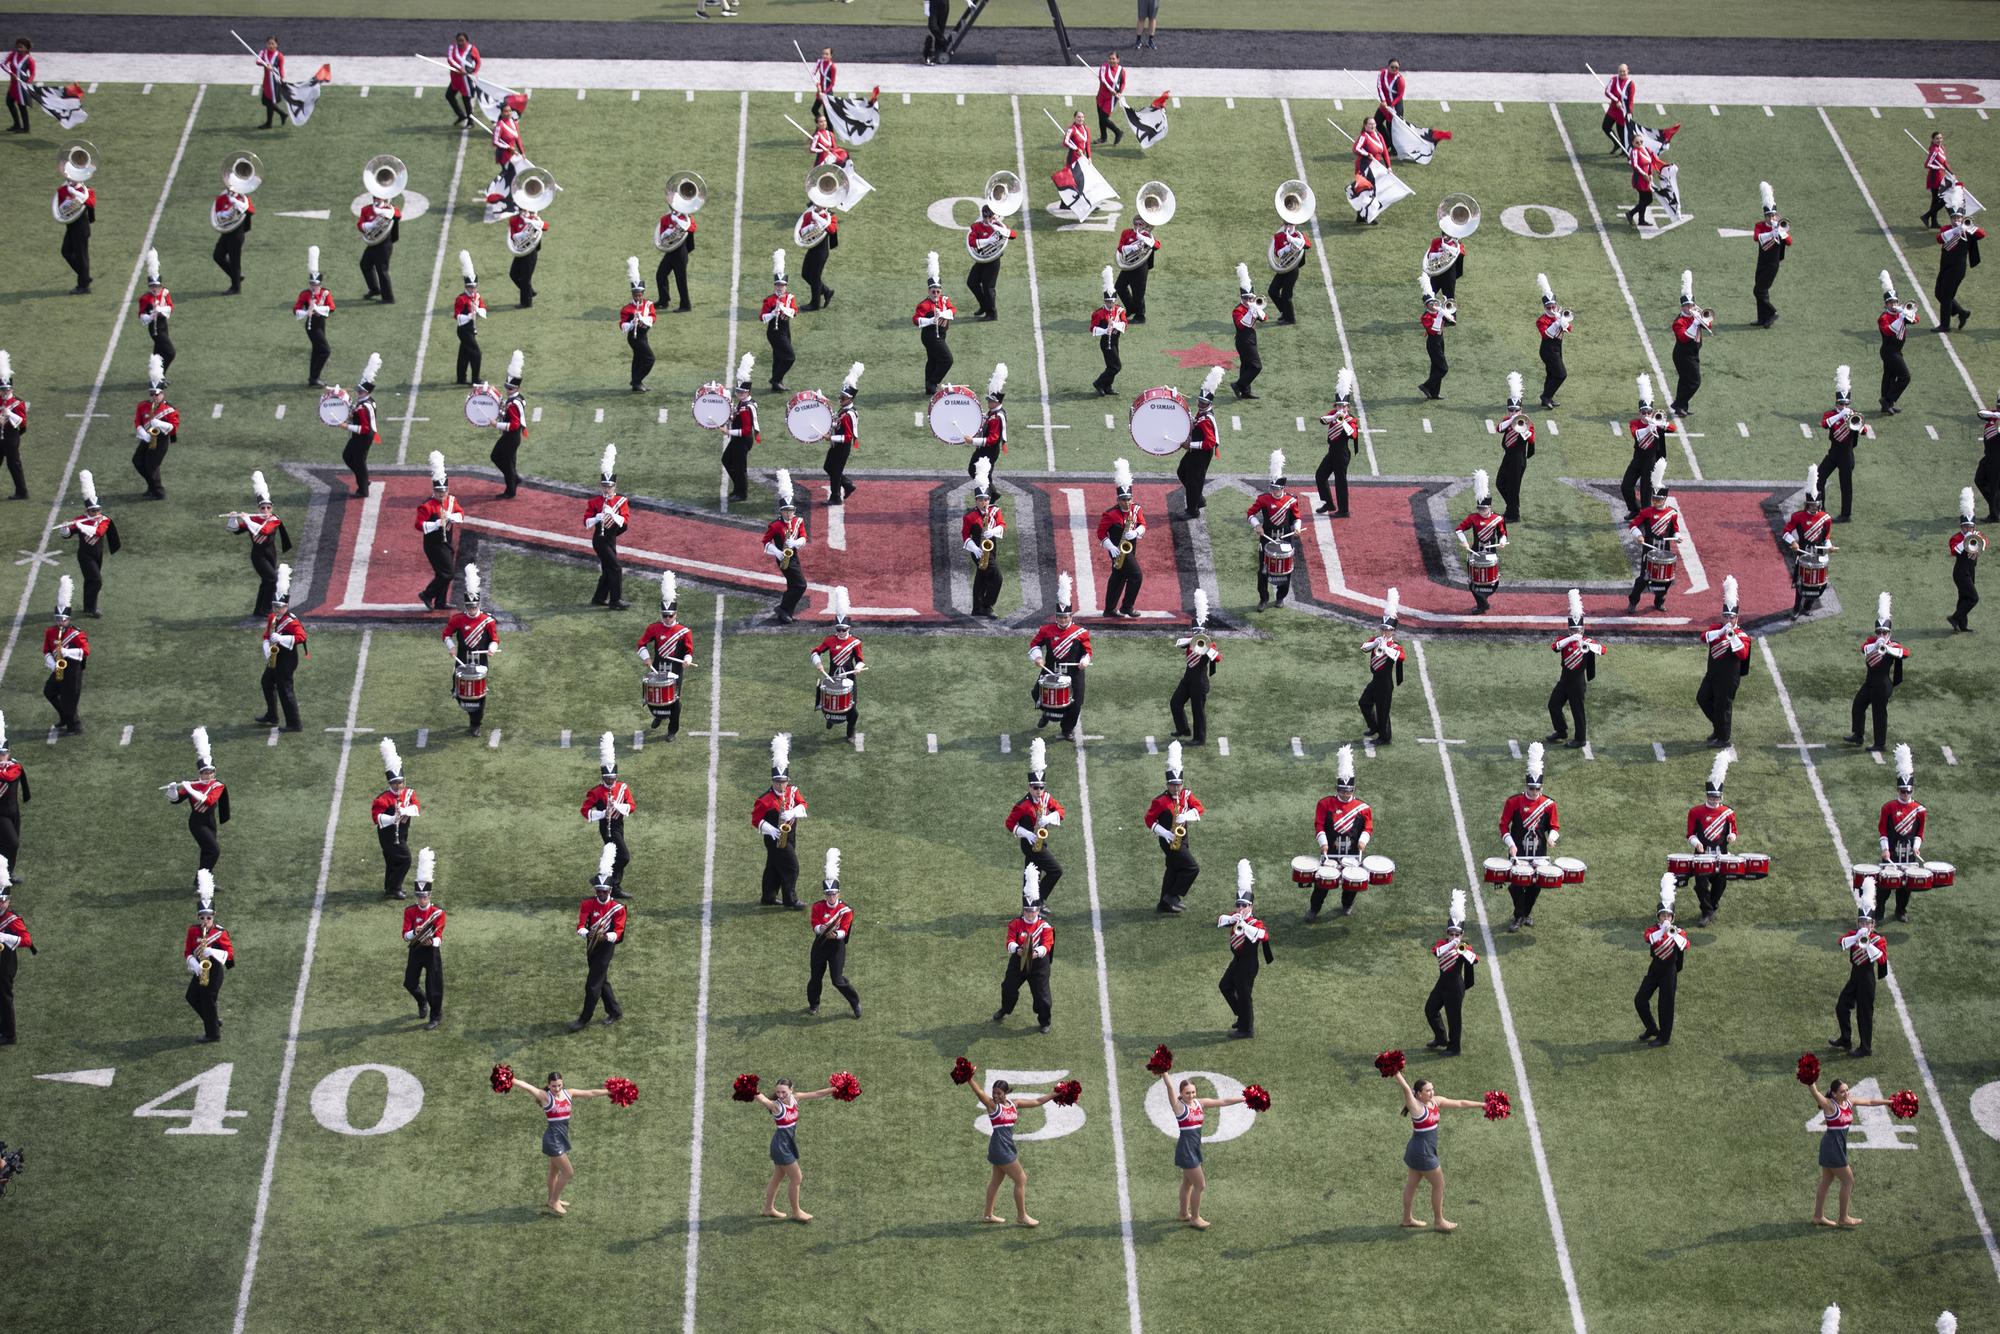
<point x="1421" y="1153"/>
<point x="1187" y="1150"/>
<point x="555" y="1139"/>
<point x="1833" y="1148"/>
<point x="784" y="1146"/>
<point x="1000" y="1146"/>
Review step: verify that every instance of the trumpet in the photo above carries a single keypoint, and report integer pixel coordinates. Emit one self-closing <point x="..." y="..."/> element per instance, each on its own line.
<point x="1856" y="422"/>
<point x="1907" y="309"/>
<point x="785" y="834"/>
<point x="1975" y="544"/>
<point x="1180" y="837"/>
<point x="985" y="553"/>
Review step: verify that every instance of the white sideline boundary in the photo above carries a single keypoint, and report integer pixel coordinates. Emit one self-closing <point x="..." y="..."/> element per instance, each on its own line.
<point x="333" y="813"/>
<point x="430" y="302"/>
<point x="1034" y="284"/>
<point x="90" y="412"/>
<point x="1937" y="1102"/>
<point x="701" y="985"/>
<point x="1500" y="998"/>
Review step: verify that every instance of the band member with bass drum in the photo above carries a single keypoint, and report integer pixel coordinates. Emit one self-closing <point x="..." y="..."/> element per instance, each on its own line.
<point x="207" y="802"/>
<point x="1035" y="818"/>
<point x="776" y="814"/>
<point x="284" y="642"/>
<point x="209" y="954"/>
<point x="96" y="537"/>
<point x="608" y="805"/>
<point x="511" y="428"/>
<point x="391" y="812"/>
<point x="607" y="516"/>
<point x="361" y="430"/>
<point x="472" y="635"/>
<point x="1120" y="529"/>
<point x="423" y="933"/>
<point x="1530" y="825"/>
<point x="1773" y="238"/>
<point x="1248" y="937"/>
<point x="784" y="538"/>
<point x="1883" y="659"/>
<point x="741" y="432"/>
<point x="1199" y="659"/>
<point x="600" y="924"/>
<point x="1168" y="817"/>
<point x="1203" y="444"/>
<point x="437" y="520"/>
<point x="1966" y="546"/>
<point x="1385" y="673"/>
<point x="993" y="430"/>
<point x="65" y="653"/>
<point x="1728" y="650"/>
<point x="1578" y="654"/>
<point x="1274" y="518"/>
<point x="666" y="647"/>
<point x="1061" y="649"/>
<point x="14" y="937"/>
<point x="1457" y="973"/>
<point x="839" y="663"/>
<point x="1344" y="826"/>
<point x="979" y="533"/>
<point x="832" y="925"/>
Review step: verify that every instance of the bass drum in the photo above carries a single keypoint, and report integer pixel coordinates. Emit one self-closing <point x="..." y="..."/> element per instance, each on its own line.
<point x="955" y="415"/>
<point x="711" y="407"/>
<point x="336" y="407"/>
<point x="808" y="416"/>
<point x="482" y="406"/>
<point x="1160" y="422"/>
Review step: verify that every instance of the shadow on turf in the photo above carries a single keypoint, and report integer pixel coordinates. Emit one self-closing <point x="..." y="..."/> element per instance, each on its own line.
<point x="513" y="1213"/>
<point x="1737" y="1236"/>
<point x="1337" y="1236"/>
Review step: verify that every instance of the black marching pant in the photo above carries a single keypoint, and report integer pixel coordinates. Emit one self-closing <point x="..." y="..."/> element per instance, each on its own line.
<point x="468" y="354"/>
<point x="612" y="831"/>
<point x="1637" y="484"/>
<point x="1045" y="862"/>
<point x="736" y="464"/>
<point x="815" y="266"/>
<point x="1035" y="972"/>
<point x="795" y="587"/>
<point x="1708" y="890"/>
<point x="1193" y="474"/>
<point x="90" y="564"/>
<point x="937" y="359"/>
<point x="1113" y="363"/>
<point x="985" y="586"/>
<point x="781" y="350"/>
<point x="1687" y="374"/>
<point x="65" y="694"/>
<point x="355" y="456"/>
<point x="205" y="1000"/>
<point x="1767" y="273"/>
<point x="504" y="451"/>
<point x="1569" y="693"/>
<point x="1524" y="900"/>
<point x="598" y="983"/>
<point x="1238" y="985"/>
<point x="1986" y="478"/>
<point x="1375" y="701"/>
<point x="395" y="859"/>
<point x="1107" y="128"/>
<point x="9" y="961"/>
<point x="1554" y="371"/>
<point x="1130" y="285"/>
<point x="838" y="488"/>
<point x="1856" y="1006"/>
<point x="830" y="956"/>
<point x="1895" y="373"/>
<point x="1267" y="584"/>
<point x="1872" y="700"/>
<point x="1434" y="384"/>
<point x="10" y="451"/>
<point x="1637" y="213"/>
<point x="1179" y="875"/>
<point x="673" y="264"/>
<point x="10" y="840"/>
<point x="1662" y="980"/>
<point x="1950" y="274"/>
<point x="316" y="337"/>
<point x="375" y="270"/>
<point x="982" y="280"/>
<point x="1281" y="293"/>
<point x="1513" y="467"/>
<point x="991" y="453"/>
<point x="522" y="273"/>
<point x="642" y="356"/>
<point x="1968" y="596"/>
<point x="277" y="110"/>
<point x="228" y="253"/>
<point x="1839" y="459"/>
<point x="1334" y="464"/>
<point x="264" y="560"/>
<point x="1347" y="897"/>
<point x="1191" y="696"/>
<point x="1121" y="588"/>
<point x="163" y="342"/>
<point x="1717" y="696"/>
<point x="1250" y="365"/>
<point x="781" y="873"/>
<point x="207" y="839"/>
<point x="1447" y="999"/>
<point x="425" y="962"/>
<point x="610" y="572"/>
<point x="278" y="692"/>
<point x="76" y="249"/>
<point x="437" y="550"/>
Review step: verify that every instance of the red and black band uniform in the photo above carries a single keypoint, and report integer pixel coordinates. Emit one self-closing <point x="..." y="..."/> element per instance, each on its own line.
<point x="14" y="937"/>
<point x="1728" y="663"/>
<point x="76" y="233"/>
<point x="1341" y="429"/>
<point x="1529" y="826"/>
<point x="1110" y="88"/>
<point x="1958" y="248"/>
<point x="158" y="426"/>
<point x="1107" y="325"/>
<point x="1198" y="666"/>
<point x="466" y="313"/>
<point x="268" y="539"/>
<point x="1645" y="163"/>
<point x="742" y="433"/>
<point x="668" y="648"/>
<point x="833" y="926"/>
<point x="768" y="815"/>
<point x="607" y="518"/>
<point x="1390" y="87"/>
<point x="1772" y="242"/>
<point x="67" y="648"/>
<point x="1132" y="273"/>
<point x="1517" y="446"/>
<point x="513" y="433"/>
<point x="1578" y="654"/>
<point x="1168" y="811"/>
<point x="1249" y="363"/>
<point x="1066" y="652"/>
<point x="156" y="312"/>
<point x="1287" y="240"/>
<point x="208" y="810"/>
<point x="1618" y="94"/>
<point x="521" y="272"/>
<point x="839" y="656"/>
<point x="1123" y="523"/>
<point x="313" y="308"/>
<point x="1433" y="323"/>
<point x="438" y="521"/>
<point x="1649" y="446"/>
<point x="1026" y="965"/>
<point x="1883" y="659"/>
<point x="13" y="425"/>
<point x="983" y="278"/>
<point x="1964" y="548"/>
<point x="841" y="442"/>
<point x="1249" y="939"/>
<point x="779" y="309"/>
<point x="1841" y="440"/>
<point x="1486" y="534"/>
<point x="1551" y="328"/>
<point x="1894" y="326"/>
<point x="375" y="255"/>
<point x="13" y="795"/>
<point x="1809" y="533"/>
<point x="270" y="87"/>
<point x="1031" y="815"/>
<point x="363" y="434"/>
<point x="992" y="443"/>
<point x="284" y="642"/>
<point x="974" y="530"/>
<point x="1273" y="519"/>
<point x="933" y="319"/>
<point x="607" y="805"/>
<point x="1689" y="331"/>
<point x="635" y="321"/>
<point x="1899" y="832"/>
<point x="1667" y="947"/>
<point x="423" y="966"/>
<point x="19" y="67"/>
<point x="1343" y="826"/>
<point x="598" y="956"/>
<point x="1204" y="443"/>
<point x="1986" y="477"/>
<point x="1446" y="282"/>
<point x="204" y="988"/>
<point x="1938" y="179"/>
<point x="783" y="540"/>
<point x="1867" y="963"/>
<point x="228" y="253"/>
<point x="674" y="260"/>
<point x="472" y="636"/>
<point x="1711" y="828"/>
<point x="813" y="270"/>
<point x="1444" y="1008"/>
<point x="96" y="537"/>
<point x="391" y="813"/>
<point x="1658" y="528"/>
<point x="463" y="59"/>
<point x="1385" y="673"/>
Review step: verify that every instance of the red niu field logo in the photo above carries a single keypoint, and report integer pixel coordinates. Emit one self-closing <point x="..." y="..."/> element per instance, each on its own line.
<point x="895" y="545"/>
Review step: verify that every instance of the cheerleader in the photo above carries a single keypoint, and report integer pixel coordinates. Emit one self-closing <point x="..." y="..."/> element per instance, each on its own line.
<point x="555" y="1098"/>
<point x="784" y="1110"/>
<point x="1838" y="1104"/>
<point x="1002" y="1107"/>
<point x="1422" y="1105"/>
<point x="1189" y="1112"/>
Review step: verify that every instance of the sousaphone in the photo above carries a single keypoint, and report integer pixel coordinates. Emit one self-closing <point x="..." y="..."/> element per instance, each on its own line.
<point x="1004" y="195"/>
<point x="686" y="193"/>
<point x="385" y="176"/>
<point x="242" y="173"/>
<point x="78" y="159"/>
<point x="1458" y="216"/>
<point x="1295" y="203"/>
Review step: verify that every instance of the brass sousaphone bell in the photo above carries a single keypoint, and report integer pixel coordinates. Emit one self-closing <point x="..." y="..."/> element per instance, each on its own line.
<point x="534" y="190"/>
<point x="385" y="176"/>
<point x="79" y="160"/>
<point x="686" y="192"/>
<point x="1458" y="216"/>
<point x="1003" y="194"/>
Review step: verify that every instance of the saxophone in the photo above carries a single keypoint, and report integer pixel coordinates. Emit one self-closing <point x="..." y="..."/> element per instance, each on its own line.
<point x="1124" y="549"/>
<point x="1041" y="837"/>
<point x="201" y="948"/>
<point x="1180" y="837"/>
<point x="784" y="834"/>
<point x="62" y="663"/>
<point x="985" y="554"/>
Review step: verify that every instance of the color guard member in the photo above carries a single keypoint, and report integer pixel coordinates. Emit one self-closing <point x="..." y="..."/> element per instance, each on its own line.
<point x="208" y="953"/>
<point x="832" y="925"/>
<point x="1578" y="654"/>
<point x="1385" y="673"/>
<point x="65" y="652"/>
<point x="271" y="83"/>
<point x="600" y="922"/>
<point x="284" y="641"/>
<point x="19" y="67"/>
<point x="1884" y="659"/>
<point x="423" y="930"/>
<point x="784" y="539"/>
<point x="1199" y="659"/>
<point x="1110" y="93"/>
<point x="96" y="536"/>
<point x="1035" y="817"/>
<point x="607" y="805"/>
<point x="1247" y="937"/>
<point x="462" y="58"/>
<point x="391" y="812"/>
<point x="1168" y="817"/>
<point x="776" y="814"/>
<point x="1938" y="177"/>
<point x="607" y="515"/>
<point x="1457" y="972"/>
<point x="207" y="802"/>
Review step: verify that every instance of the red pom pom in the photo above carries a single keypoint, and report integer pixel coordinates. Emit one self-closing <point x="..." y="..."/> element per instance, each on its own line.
<point x="623" y="1091"/>
<point x="845" y="1086"/>
<point x="1068" y="1091"/>
<point x="1256" y="1099"/>
<point x="1389" y="1064"/>
<point x="1498" y="1106"/>
<point x="1163" y="1060"/>
<point x="745" y="1089"/>
<point x="961" y="1071"/>
<point x="1904" y="1104"/>
<point x="1808" y="1069"/>
<point x="503" y="1078"/>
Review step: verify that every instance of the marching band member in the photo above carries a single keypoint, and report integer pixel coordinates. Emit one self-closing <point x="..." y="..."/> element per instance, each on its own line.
<point x="1204" y="442"/>
<point x="208" y="953"/>
<point x="1110" y="92"/>
<point x="600" y="921"/>
<point x="1959" y="242"/>
<point x="1035" y="817"/>
<point x="471" y="634"/>
<point x="776" y="814"/>
<point x="1646" y="164"/>
<point x="207" y="802"/>
<point x="314" y="306"/>
<point x="832" y="924"/>
<point x="423" y="929"/>
<point x="1884" y="659"/>
<point x="1986" y="476"/>
<point x="1552" y="326"/>
<point x="1894" y="323"/>
<point x="284" y="638"/>
<point x="76" y="232"/>
<point x="933" y="320"/>
<point x="783" y="539"/>
<point x="1063" y="647"/>
<point x="506" y="136"/>
<point x="1389" y="89"/>
<point x="1168" y="817"/>
<point x="375" y="255"/>
<point x="1371" y="149"/>
<point x="780" y="308"/>
<point x="824" y="73"/>
<point x="1274" y="517"/>
<point x="1451" y="250"/>
<point x="96" y="535"/>
<point x="821" y="223"/>
<point x="839" y="657"/>
<point x="1578" y="654"/>
<point x="607" y="516"/>
<point x="463" y="59"/>
<point x="635" y="321"/>
<point x="14" y="425"/>
<point x="1899" y="829"/>
<point x="1668" y="945"/>
<point x="1773" y="237"/>
<point x="1249" y="313"/>
<point x="1189" y="1112"/>
<point x="1343" y="825"/>
<point x="1121" y="588"/>
<point x="13" y="795"/>
<point x="1807" y="531"/>
<point x="1076" y="150"/>
<point x="742" y="431"/>
<point x="14" y="936"/>
<point x="1728" y="651"/>
<point x="1618" y="95"/>
<point x="268" y="537"/>
<point x="1199" y="659"/>
<point x="667" y="645"/>
<point x="1690" y="328"/>
<point x="1341" y="430"/>
<point x="521" y="271"/>
<point x="1965" y="547"/>
<point x="1867" y="963"/>
<point x="1247" y="937"/>
<point x="993" y="430"/>
<point x="826" y="150"/>
<point x="1457" y="972"/>
<point x="361" y="426"/>
<point x="1530" y="825"/>
<point x="1002" y="1110"/>
<point x="19" y="66"/>
<point x="512" y="428"/>
<point x="1134" y="241"/>
<point x="1286" y="240"/>
<point x="1649" y="431"/>
<point x="1658" y="526"/>
<point x="156" y="310"/>
<point x="674" y="258"/>
<point x="1031" y="945"/>
<point x="843" y="439"/>
<point x="607" y="805"/>
<point x="1385" y="673"/>
<point x="1517" y="446"/>
<point x="157" y="423"/>
<point x="1844" y="430"/>
<point x="1711" y="828"/>
<point x="438" y="519"/>
<point x="1938" y="177"/>
<point x="391" y="812"/>
<point x="228" y="253"/>
<point x="979" y="532"/>
<point x="1482" y="531"/>
<point x="1433" y="322"/>
<point x="1107" y="323"/>
<point x="271" y="83"/>
<point x="983" y="277"/>
<point x="66" y="653"/>
<point x="466" y="311"/>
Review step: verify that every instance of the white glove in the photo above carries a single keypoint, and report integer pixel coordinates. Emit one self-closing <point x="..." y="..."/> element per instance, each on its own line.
<point x="1085" y="662"/>
<point x="1555" y="835"/>
<point x="820" y="930"/>
<point x="73" y="654"/>
<point x="1512" y="850"/>
<point x="1110" y="547"/>
<point x="583" y="931"/>
<point x="795" y="814"/>
<point x="1051" y="819"/>
<point x="9" y="940"/>
<point x="218" y="955"/>
<point x="1694" y="842"/>
<point x="1025" y="834"/>
<point x="611" y="936"/>
<point x="971" y="546"/>
<point x="141" y="433"/>
<point x="409" y="935"/>
<point x="1190" y="816"/>
<point x="384" y="820"/>
<point x="1041" y="951"/>
<point x="49" y="661"/>
<point x="1322" y="844"/>
<point x="285" y="641"/>
<point x="840" y="935"/>
<point x="594" y="816"/>
<point x="1224" y="920"/>
<point x="1013" y="947"/>
<point x="1885" y="849"/>
<point x="437" y="941"/>
<point x="767" y="829"/>
<point x="1035" y="655"/>
<point x="622" y="808"/>
<point x="194" y="964"/>
<point x="1138" y="532"/>
<point x="174" y="797"/>
<point x="1162" y="831"/>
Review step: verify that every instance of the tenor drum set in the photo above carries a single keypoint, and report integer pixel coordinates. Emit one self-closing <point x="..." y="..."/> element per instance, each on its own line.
<point x="1161" y="420"/>
<point x="712" y="409"/>
<point x="955" y="414"/>
<point x="336" y="406"/>
<point x="1343" y="871"/>
<point x="661" y="691"/>
<point x="1914" y="876"/>
<point x="808" y="416"/>
<point x="1532" y="872"/>
<point x="482" y="405"/>
<point x="1730" y="865"/>
<point x="1053" y="693"/>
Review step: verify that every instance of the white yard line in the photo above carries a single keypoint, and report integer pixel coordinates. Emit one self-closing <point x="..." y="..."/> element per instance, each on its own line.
<point x="333" y="814"/>
<point x="1326" y="273"/>
<point x="1034" y="288"/>
<point x="430" y="302"/>
<point x="1500" y="999"/>
<point x="1111" y="1070"/>
<point x="97" y="388"/>
<point x="1937" y="1103"/>
<point x="700" y="1099"/>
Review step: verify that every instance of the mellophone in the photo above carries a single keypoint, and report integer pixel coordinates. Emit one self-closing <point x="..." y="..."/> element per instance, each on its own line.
<point x="1730" y="865"/>
<point x="1346" y="871"/>
<point x="1540" y="872"/>
<point x="1916" y="876"/>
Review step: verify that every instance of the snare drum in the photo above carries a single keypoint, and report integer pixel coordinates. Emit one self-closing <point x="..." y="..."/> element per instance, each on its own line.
<point x="955" y="414"/>
<point x="1483" y="569"/>
<point x="1054" y="689"/>
<point x="712" y="409"/>
<point x="1917" y="877"/>
<point x="1863" y="871"/>
<point x="1304" y="870"/>
<point x="336" y="406"/>
<point x="1521" y="874"/>
<point x="1888" y="876"/>
<point x="1381" y="871"/>
<point x="808" y="416"/>
<point x="1160" y="422"/>
<point x="1943" y="874"/>
<point x="1661" y="562"/>
<point x="836" y="696"/>
<point x="482" y="406"/>
<point x="1680" y="864"/>
<point x="468" y="687"/>
<point x="1572" y="870"/>
<point x="1732" y="866"/>
<point x="1326" y="876"/>
<point x="1811" y="572"/>
<point x="1494" y="870"/>
<point x="1756" y="865"/>
<point x="1548" y="875"/>
<point x="661" y="690"/>
<point x="1278" y="557"/>
<point x="1353" y="878"/>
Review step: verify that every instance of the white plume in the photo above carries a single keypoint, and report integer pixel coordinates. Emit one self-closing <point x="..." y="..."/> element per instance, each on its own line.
<point x="1842" y="381"/>
<point x="1514" y="389"/>
<point x="1480" y="490"/>
<point x="437" y="467"/>
<point x="607" y="464"/>
<point x="1718" y="770"/>
<point x="3" y="731"/>
<point x="426" y="866"/>
<point x="1174" y="756"/>
<point x="607" y="752"/>
<point x="392" y="762"/>
<point x="1687" y="286"/>
<point x="1457" y="917"/>
<point x="1535" y="759"/>
<point x="1548" y="293"/>
<point x="781" y="752"/>
<point x="372" y="369"/>
<point x="6" y="367"/>
<point x="1864" y="900"/>
<point x="1729" y="593"/>
<point x="1065" y="589"/>
<point x="1031" y="884"/>
<point x="1121" y="473"/>
<point x="997" y="382"/>
<point x="6" y="877"/>
<point x="632" y="277"/>
<point x="465" y="266"/>
<point x="1038" y="755"/>
<point x="1576" y="604"/>
<point x="89" y="485"/>
<point x="1244" y="880"/>
<point x="1110" y="285"/>
<point x="607" y="859"/>
<point x="472" y="583"/>
<point x="784" y="485"/>
<point x="670" y="589"/>
<point x="1666" y="893"/>
<point x="1344" y="764"/>
<point x="1659" y="473"/>
<point x="65" y="590"/>
<point x="516" y="364"/>
<point x="1947" y="1323"/>
<point x="152" y="266"/>
<point x="1646" y="391"/>
<point x="203" y="758"/>
<point x="1965" y="510"/>
<point x="777" y="265"/>
<point x="853" y="376"/>
<point x="1888" y="288"/>
<point x="1906" y="767"/>
<point x="204" y="888"/>
<point x="1343" y="383"/>
<point x="982" y="473"/>
<point x="1243" y="278"/>
<point x="156" y="370"/>
<point x="837" y="602"/>
<point x="745" y="367"/>
<point x="1277" y="464"/>
<point x="1424" y="285"/>
<point x="1201" y="606"/>
<point x="258" y="489"/>
<point x="832" y="864"/>
<point x="283" y="590"/>
<point x="1765" y="196"/>
<point x="1882" y="606"/>
<point x="1391" y="605"/>
<point x="931" y="267"/>
<point x="312" y="260"/>
<point x="1812" y="479"/>
<point x="1213" y="381"/>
